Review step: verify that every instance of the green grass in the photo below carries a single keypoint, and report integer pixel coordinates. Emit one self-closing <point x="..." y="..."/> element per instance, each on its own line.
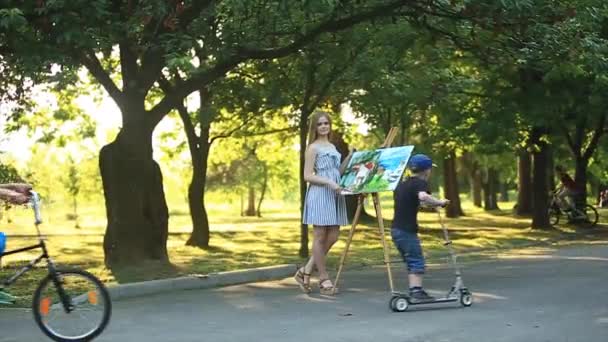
<point x="245" y="242"/>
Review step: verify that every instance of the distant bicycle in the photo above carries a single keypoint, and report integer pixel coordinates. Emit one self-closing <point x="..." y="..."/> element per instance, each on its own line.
<point x="69" y="304"/>
<point x="584" y="216"/>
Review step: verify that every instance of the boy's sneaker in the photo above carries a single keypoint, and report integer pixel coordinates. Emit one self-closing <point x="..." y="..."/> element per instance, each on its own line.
<point x="419" y="296"/>
<point x="7" y="298"/>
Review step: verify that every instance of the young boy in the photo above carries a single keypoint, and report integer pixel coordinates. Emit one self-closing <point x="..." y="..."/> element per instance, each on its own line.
<point x="408" y="196"/>
<point x="15" y="193"/>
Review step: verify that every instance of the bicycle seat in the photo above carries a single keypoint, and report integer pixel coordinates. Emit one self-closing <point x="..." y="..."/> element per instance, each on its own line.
<point x="2" y="242"/>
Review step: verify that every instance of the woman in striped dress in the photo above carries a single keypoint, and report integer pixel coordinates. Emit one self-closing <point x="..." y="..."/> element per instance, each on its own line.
<point x="325" y="207"/>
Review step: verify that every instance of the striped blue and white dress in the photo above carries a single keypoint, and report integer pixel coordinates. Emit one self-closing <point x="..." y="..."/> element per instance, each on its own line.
<point x="323" y="206"/>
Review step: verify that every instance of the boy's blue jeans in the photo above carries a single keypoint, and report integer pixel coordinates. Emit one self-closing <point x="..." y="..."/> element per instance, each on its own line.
<point x="409" y="246"/>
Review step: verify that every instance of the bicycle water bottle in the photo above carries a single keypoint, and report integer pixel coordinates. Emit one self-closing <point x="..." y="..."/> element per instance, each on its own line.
<point x="2" y="242"/>
<point x="2" y="246"/>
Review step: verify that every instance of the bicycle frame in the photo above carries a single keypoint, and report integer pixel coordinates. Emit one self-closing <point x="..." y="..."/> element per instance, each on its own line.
<point x="65" y="300"/>
<point x="575" y="213"/>
<point x="31" y="264"/>
<point x="553" y="202"/>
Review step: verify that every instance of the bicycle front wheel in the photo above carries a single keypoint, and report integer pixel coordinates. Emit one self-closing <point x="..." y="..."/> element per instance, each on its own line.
<point x="72" y="305"/>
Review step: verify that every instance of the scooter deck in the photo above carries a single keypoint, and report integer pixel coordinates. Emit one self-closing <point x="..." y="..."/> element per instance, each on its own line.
<point x="434" y="301"/>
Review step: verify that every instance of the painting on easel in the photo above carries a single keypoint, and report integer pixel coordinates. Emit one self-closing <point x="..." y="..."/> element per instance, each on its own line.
<point x="375" y="171"/>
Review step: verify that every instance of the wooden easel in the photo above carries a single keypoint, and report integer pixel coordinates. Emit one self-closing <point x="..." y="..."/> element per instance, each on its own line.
<point x="360" y="199"/>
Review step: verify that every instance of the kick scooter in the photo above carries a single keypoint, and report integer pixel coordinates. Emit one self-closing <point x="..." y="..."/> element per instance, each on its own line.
<point x="400" y="301"/>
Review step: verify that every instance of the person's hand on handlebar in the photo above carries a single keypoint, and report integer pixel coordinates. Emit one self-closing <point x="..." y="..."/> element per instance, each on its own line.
<point x="15" y="193"/>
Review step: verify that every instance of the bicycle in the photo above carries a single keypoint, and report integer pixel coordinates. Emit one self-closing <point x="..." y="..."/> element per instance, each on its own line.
<point x="68" y="304"/>
<point x="584" y="214"/>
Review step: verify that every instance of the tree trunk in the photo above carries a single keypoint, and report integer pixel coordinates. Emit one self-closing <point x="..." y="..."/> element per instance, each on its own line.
<point x="476" y="184"/>
<point x="490" y="189"/>
<point x="403" y="129"/>
<point x="75" y="208"/>
<point x="199" y="146"/>
<point x="242" y="204"/>
<point x="135" y="201"/>
<point x="580" y="177"/>
<point x="524" y="184"/>
<point x="451" y="186"/>
<point x="264" y="187"/>
<point x="303" y="130"/>
<point x="250" y="201"/>
<point x="550" y="168"/>
<point x="504" y="192"/>
<point x="583" y="155"/>
<point x="540" y="198"/>
<point x="198" y="214"/>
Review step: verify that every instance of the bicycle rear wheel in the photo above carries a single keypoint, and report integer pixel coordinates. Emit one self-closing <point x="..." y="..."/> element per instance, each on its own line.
<point x="87" y="313"/>
<point x="592" y="215"/>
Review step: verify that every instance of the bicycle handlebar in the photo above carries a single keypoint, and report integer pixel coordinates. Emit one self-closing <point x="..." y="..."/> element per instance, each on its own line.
<point x="35" y="202"/>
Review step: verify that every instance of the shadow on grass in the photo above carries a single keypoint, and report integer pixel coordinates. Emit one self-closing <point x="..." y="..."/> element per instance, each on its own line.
<point x="213" y="249"/>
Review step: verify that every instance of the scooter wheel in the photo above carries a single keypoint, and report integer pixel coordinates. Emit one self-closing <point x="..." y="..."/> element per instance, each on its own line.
<point x="399" y="304"/>
<point x="466" y="298"/>
<point x="391" y="303"/>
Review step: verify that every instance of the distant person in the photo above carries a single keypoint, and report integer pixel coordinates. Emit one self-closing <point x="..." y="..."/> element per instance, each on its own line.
<point x="603" y="203"/>
<point x="567" y="191"/>
<point x="324" y="207"/>
<point x="15" y="193"/>
<point x="408" y="197"/>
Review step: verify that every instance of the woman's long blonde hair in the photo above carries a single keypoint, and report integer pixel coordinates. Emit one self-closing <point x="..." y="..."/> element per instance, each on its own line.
<point x="312" y="128"/>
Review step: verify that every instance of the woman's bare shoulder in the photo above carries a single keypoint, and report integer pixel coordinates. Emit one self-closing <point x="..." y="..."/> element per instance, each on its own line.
<point x="313" y="148"/>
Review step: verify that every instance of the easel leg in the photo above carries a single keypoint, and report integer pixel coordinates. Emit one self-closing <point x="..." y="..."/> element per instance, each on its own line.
<point x="387" y="260"/>
<point x="350" y="239"/>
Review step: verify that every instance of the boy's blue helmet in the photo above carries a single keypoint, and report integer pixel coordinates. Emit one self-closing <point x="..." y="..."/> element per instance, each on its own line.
<point x="420" y="162"/>
<point x="2" y="242"/>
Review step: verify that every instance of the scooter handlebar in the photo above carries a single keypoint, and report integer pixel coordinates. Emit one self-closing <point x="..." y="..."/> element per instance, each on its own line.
<point x="35" y="202"/>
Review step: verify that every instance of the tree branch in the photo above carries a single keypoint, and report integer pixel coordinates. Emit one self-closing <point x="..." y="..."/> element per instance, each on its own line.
<point x="310" y="82"/>
<point x="192" y="137"/>
<point x="595" y="139"/>
<point x="579" y="135"/>
<point x="191" y="13"/>
<point x="568" y="139"/>
<point x="253" y="134"/>
<point x="330" y="25"/>
<point x="243" y="53"/>
<point x="152" y="64"/>
<point x="336" y="72"/>
<point x="96" y="69"/>
<point x="183" y="89"/>
<point x="128" y="66"/>
<point x="153" y="60"/>
<point x="231" y="132"/>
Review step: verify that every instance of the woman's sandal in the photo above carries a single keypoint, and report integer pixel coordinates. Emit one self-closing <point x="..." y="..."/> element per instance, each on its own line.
<point x="299" y="278"/>
<point x="327" y="290"/>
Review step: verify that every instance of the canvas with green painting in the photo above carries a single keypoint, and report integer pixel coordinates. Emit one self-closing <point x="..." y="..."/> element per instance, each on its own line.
<point x="375" y="171"/>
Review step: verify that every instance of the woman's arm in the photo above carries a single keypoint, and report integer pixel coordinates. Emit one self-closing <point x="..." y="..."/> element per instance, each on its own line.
<point x="309" y="166"/>
<point x="346" y="161"/>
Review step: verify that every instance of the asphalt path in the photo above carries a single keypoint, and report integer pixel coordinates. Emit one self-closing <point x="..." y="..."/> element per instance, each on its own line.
<point x="559" y="296"/>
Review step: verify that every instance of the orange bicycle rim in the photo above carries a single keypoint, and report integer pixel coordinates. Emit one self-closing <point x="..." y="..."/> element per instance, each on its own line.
<point x="45" y="306"/>
<point x="92" y="297"/>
